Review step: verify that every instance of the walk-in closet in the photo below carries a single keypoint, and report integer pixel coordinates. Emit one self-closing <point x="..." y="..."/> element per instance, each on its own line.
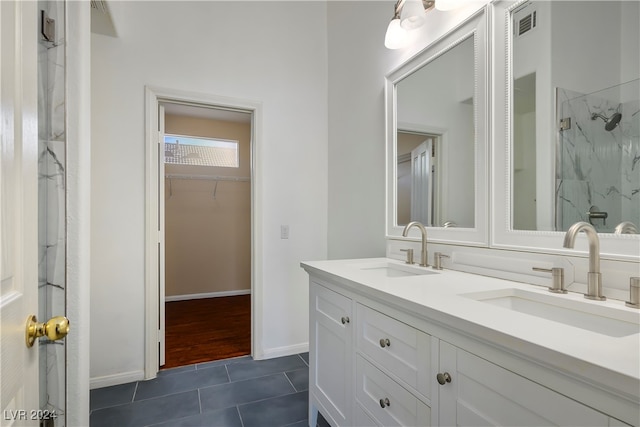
<point x="207" y="238"/>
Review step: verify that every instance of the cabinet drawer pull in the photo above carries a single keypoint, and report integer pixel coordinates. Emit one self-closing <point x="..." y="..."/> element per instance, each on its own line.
<point x="384" y="342"/>
<point x="443" y="378"/>
<point x="384" y="402"/>
<point x="345" y="320"/>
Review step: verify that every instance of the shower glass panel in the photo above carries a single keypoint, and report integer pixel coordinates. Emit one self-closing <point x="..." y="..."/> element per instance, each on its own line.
<point x="598" y="162"/>
<point x="51" y="207"/>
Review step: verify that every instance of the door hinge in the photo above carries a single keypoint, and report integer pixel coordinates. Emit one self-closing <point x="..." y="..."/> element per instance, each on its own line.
<point x="47" y="27"/>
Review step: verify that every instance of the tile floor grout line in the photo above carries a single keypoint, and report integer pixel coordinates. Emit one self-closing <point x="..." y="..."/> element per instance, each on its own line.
<point x="232" y="360"/>
<point x="303" y="361"/>
<point x="135" y="390"/>
<point x="271" y="397"/>
<point x="199" y="401"/>
<point x="228" y="375"/>
<point x="289" y="379"/>
<point x="164" y="395"/>
<point x="239" y="415"/>
<point x="259" y="376"/>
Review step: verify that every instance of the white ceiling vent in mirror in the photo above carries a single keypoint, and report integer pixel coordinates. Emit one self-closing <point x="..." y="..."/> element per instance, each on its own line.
<point x="526" y="23"/>
<point x="436" y="125"/>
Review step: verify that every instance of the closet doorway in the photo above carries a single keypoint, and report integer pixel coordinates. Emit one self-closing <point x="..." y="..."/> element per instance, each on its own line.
<point x="205" y="253"/>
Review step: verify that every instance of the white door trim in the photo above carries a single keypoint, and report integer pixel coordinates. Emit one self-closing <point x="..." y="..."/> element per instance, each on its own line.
<point x="153" y="97"/>
<point x="78" y="181"/>
<point x="161" y="242"/>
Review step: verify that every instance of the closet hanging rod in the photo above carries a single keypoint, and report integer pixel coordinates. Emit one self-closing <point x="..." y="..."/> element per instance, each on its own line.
<point x="208" y="177"/>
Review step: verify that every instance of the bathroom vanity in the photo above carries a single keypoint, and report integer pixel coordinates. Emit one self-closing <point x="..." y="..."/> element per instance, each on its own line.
<point x="397" y="344"/>
<point x="480" y="151"/>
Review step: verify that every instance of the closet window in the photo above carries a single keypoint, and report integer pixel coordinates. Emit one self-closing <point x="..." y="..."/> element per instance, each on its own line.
<point x="187" y="150"/>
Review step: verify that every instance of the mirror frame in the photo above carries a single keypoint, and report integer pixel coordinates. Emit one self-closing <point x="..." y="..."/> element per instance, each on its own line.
<point x="476" y="27"/>
<point x="616" y="247"/>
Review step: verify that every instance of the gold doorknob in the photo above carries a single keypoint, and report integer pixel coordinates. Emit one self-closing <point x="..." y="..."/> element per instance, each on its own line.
<point x="55" y="328"/>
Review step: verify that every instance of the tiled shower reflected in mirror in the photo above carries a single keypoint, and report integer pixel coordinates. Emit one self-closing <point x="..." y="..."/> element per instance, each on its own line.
<point x="598" y="173"/>
<point x="51" y="202"/>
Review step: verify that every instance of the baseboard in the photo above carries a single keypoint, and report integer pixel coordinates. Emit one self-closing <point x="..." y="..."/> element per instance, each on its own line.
<point x="207" y="295"/>
<point x="117" y="379"/>
<point x="281" y="351"/>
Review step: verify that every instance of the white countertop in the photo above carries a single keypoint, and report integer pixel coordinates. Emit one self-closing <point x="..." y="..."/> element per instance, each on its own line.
<point x="613" y="362"/>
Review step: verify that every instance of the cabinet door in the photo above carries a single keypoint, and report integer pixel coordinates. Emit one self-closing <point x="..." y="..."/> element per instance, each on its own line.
<point x="330" y="360"/>
<point x="483" y="394"/>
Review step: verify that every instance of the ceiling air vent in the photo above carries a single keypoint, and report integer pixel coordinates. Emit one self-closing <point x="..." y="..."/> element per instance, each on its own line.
<point x="527" y="23"/>
<point x="99" y="5"/>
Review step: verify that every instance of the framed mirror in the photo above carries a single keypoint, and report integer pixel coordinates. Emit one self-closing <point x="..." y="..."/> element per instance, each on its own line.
<point x="436" y="138"/>
<point x="567" y="123"/>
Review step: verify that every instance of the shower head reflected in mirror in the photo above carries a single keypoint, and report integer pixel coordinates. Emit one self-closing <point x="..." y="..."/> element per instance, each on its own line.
<point x="610" y="123"/>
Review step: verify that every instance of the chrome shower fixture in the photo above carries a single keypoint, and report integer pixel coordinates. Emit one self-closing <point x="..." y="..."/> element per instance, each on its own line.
<point x="610" y="122"/>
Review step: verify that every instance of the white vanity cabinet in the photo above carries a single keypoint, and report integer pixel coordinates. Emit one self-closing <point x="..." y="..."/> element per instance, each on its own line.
<point x="373" y="363"/>
<point x="330" y="354"/>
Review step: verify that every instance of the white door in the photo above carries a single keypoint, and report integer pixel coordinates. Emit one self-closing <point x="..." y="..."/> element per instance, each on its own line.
<point x="18" y="211"/>
<point x="421" y="183"/>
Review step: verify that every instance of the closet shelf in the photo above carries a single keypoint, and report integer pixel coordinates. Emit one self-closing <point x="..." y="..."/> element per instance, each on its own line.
<point x="208" y="177"/>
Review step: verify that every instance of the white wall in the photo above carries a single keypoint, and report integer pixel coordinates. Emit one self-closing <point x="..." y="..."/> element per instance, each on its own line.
<point x="629" y="39"/>
<point x="579" y="27"/>
<point x="271" y="52"/>
<point x="358" y="63"/>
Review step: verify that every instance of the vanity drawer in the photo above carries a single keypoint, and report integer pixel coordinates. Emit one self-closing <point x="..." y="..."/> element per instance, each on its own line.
<point x="404" y="351"/>
<point x="388" y="402"/>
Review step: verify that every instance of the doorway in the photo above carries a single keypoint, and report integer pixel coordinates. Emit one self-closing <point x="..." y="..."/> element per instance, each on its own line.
<point x="207" y="233"/>
<point x="419" y="178"/>
<point x="183" y="192"/>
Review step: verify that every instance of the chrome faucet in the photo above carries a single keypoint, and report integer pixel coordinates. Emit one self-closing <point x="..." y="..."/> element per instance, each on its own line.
<point x="423" y="254"/>
<point x="594" y="278"/>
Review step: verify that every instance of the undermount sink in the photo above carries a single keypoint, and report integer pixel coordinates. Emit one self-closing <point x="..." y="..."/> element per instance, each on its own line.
<point x="596" y="318"/>
<point x="389" y="269"/>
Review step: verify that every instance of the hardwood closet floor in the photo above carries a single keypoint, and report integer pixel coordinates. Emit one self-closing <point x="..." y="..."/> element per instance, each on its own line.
<point x="209" y="329"/>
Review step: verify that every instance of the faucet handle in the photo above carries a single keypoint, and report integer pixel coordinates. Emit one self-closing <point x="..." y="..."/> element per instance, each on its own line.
<point x="437" y="260"/>
<point x="409" y="255"/>
<point x="557" y="275"/>
<point x="634" y="293"/>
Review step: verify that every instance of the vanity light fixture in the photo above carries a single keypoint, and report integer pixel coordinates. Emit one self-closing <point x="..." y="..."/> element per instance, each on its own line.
<point x="409" y="15"/>
<point x="396" y="36"/>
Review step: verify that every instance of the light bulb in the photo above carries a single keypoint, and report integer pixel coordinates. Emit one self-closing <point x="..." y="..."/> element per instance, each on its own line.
<point x="445" y="5"/>
<point x="396" y="36"/>
<point x="412" y="15"/>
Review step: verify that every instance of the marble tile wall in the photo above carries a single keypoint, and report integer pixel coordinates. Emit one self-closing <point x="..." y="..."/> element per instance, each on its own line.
<point x="598" y="169"/>
<point x="52" y="213"/>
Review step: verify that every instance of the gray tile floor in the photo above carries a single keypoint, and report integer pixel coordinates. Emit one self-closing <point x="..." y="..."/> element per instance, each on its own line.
<point x="238" y="392"/>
